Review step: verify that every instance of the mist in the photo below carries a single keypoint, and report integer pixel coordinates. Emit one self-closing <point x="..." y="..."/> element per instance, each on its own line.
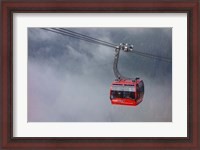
<point x="69" y="79"/>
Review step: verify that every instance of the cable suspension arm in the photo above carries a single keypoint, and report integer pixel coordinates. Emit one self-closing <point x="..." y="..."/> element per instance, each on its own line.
<point x="126" y="48"/>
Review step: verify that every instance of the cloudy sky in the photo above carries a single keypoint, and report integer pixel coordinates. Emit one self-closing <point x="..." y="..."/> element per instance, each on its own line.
<point x="69" y="79"/>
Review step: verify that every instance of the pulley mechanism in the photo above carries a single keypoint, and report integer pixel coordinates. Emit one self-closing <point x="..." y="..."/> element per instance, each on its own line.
<point x="125" y="47"/>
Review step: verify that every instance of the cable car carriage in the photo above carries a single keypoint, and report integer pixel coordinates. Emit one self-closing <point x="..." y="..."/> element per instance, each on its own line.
<point x="127" y="92"/>
<point x="124" y="90"/>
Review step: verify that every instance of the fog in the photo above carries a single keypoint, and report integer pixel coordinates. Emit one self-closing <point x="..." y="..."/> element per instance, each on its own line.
<point x="69" y="79"/>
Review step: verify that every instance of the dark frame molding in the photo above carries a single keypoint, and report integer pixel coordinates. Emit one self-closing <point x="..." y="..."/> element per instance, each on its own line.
<point x="8" y="7"/>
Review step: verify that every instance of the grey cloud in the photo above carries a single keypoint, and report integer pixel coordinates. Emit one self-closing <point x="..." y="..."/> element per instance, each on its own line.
<point x="69" y="79"/>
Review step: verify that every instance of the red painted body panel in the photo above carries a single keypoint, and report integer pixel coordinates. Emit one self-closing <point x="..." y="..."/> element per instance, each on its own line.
<point x="126" y="101"/>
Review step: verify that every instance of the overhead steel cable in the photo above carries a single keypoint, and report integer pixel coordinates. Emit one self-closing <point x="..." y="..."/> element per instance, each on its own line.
<point x="152" y="56"/>
<point x="89" y="37"/>
<point x="75" y="36"/>
<point x="93" y="40"/>
<point x="82" y="37"/>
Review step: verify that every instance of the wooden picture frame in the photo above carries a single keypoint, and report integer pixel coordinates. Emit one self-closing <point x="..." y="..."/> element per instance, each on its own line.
<point x="8" y="7"/>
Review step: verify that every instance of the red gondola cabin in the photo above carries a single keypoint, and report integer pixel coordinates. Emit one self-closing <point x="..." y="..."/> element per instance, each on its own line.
<point x="127" y="92"/>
